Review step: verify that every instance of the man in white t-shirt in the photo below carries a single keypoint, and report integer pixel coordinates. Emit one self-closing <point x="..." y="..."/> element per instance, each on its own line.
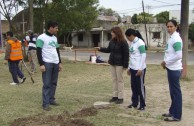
<point x="50" y="63"/>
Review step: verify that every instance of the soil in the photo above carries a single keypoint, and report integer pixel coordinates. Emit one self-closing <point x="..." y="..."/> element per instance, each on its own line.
<point x="64" y="119"/>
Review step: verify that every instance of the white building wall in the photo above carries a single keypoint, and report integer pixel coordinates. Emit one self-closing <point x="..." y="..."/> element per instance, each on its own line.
<point x="175" y="14"/>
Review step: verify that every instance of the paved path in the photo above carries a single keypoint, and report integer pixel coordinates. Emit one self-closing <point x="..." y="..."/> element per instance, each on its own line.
<point x="152" y="57"/>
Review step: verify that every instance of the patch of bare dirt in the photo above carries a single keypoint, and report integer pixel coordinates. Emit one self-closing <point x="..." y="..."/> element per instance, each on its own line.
<point x="64" y="119"/>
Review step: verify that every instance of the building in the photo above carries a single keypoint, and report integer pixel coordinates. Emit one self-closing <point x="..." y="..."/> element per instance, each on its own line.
<point x="175" y="14"/>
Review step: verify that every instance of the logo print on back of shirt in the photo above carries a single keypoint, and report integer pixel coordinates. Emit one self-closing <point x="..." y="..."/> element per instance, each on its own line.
<point x="53" y="44"/>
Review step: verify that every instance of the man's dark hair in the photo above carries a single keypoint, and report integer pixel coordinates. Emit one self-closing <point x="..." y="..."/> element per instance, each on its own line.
<point x="51" y="24"/>
<point x="9" y="33"/>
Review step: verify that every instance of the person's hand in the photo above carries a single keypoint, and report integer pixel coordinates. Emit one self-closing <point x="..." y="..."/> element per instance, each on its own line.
<point x="128" y="72"/>
<point x="98" y="48"/>
<point x="60" y="67"/>
<point x="5" y="62"/>
<point x="163" y="64"/>
<point x="42" y="68"/>
<point x="139" y="73"/>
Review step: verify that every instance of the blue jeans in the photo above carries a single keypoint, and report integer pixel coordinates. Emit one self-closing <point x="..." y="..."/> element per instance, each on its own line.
<point x="15" y="71"/>
<point x="50" y="78"/>
<point x="175" y="93"/>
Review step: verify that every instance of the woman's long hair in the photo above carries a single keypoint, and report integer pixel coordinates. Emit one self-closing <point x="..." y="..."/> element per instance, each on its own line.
<point x="136" y="33"/>
<point x="119" y="37"/>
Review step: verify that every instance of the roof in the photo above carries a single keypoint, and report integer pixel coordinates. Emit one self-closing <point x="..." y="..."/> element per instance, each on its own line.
<point x="107" y="18"/>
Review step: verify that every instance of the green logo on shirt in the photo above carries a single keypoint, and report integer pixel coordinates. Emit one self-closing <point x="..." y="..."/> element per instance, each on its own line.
<point x="131" y="49"/>
<point x="53" y="44"/>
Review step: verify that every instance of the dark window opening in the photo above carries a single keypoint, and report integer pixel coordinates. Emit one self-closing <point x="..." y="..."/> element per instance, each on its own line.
<point x="80" y="37"/>
<point x="156" y="35"/>
<point x="109" y="36"/>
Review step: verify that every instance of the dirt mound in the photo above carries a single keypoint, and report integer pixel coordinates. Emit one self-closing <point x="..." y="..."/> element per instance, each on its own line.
<point x="64" y="119"/>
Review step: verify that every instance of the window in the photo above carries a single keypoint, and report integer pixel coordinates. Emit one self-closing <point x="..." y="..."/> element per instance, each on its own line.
<point x="156" y="35"/>
<point x="80" y="37"/>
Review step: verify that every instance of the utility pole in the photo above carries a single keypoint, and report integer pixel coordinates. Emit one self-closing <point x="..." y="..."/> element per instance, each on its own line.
<point x="184" y="27"/>
<point x="145" y="23"/>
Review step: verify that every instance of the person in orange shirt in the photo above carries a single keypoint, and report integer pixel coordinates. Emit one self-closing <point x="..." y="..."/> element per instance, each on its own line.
<point x="13" y="55"/>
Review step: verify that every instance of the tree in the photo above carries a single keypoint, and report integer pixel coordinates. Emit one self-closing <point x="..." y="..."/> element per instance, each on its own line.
<point x="106" y="12"/>
<point x="184" y="33"/>
<point x="138" y="19"/>
<point x="72" y="15"/>
<point x="162" y="17"/>
<point x="7" y="8"/>
<point x="134" y="19"/>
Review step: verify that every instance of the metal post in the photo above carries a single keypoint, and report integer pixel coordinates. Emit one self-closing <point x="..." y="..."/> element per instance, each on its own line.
<point x="145" y="23"/>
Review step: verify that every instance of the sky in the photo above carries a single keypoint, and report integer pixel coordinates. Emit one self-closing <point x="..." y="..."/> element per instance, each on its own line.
<point x="129" y="7"/>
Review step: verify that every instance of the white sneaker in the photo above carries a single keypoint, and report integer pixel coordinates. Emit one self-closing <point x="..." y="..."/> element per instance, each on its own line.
<point x="13" y="83"/>
<point x="22" y="80"/>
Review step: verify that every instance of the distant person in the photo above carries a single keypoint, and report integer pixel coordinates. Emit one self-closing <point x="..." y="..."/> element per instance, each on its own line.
<point x="118" y="60"/>
<point x="32" y="51"/>
<point x="137" y="68"/>
<point x="173" y="64"/>
<point x="13" y="55"/>
<point x="50" y="63"/>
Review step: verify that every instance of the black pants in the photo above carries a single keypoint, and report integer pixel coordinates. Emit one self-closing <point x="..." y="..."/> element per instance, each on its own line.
<point x="138" y="88"/>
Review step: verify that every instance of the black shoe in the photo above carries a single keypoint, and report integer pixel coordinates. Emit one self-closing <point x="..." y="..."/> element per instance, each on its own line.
<point x="22" y="80"/>
<point x="119" y="101"/>
<point x="171" y="119"/>
<point x="141" y="108"/>
<point x="132" y="106"/>
<point x="166" y="115"/>
<point x="54" y="103"/>
<point x="113" y="99"/>
<point x="46" y="108"/>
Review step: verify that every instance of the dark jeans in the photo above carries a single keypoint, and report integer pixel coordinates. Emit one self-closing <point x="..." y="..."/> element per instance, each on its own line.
<point x="15" y="71"/>
<point x="175" y="93"/>
<point x="49" y="77"/>
<point x="138" y="88"/>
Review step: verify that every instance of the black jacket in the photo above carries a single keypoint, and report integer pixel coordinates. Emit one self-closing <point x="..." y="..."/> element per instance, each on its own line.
<point x="119" y="53"/>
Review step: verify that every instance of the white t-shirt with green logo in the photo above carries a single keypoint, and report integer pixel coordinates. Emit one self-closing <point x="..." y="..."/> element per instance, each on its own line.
<point x="137" y="54"/>
<point x="48" y="45"/>
<point x="173" y="52"/>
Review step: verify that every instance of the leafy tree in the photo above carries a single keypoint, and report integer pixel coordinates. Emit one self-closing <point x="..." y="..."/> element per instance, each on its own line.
<point x="191" y="32"/>
<point x="106" y="12"/>
<point x="134" y="19"/>
<point x="139" y="18"/>
<point x="72" y="15"/>
<point x="162" y="17"/>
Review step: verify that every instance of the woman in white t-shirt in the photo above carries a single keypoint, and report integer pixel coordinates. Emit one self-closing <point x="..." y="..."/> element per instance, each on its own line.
<point x="137" y="68"/>
<point x="173" y="64"/>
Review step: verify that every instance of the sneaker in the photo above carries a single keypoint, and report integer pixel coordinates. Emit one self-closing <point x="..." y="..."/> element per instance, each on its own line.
<point x="141" y="108"/>
<point x="22" y="80"/>
<point x="119" y="101"/>
<point x="166" y="115"/>
<point x="132" y="106"/>
<point x="113" y="99"/>
<point x="171" y="119"/>
<point x="13" y="83"/>
<point x="54" y="103"/>
<point x="46" y="108"/>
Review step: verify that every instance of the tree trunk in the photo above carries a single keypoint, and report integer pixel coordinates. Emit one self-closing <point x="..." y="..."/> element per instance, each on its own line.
<point x="31" y="14"/>
<point x="184" y="25"/>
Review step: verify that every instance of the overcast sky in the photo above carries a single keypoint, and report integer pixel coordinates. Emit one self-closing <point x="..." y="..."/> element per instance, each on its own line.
<point x="129" y="7"/>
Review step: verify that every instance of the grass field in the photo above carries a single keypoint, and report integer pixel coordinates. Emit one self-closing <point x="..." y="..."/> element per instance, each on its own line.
<point x="79" y="86"/>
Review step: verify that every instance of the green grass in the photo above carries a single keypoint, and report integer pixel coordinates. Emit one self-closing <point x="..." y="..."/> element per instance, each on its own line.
<point x="79" y="86"/>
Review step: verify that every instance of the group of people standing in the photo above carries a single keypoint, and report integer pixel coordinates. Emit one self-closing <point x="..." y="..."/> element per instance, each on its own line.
<point x="123" y="56"/>
<point x="135" y="53"/>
